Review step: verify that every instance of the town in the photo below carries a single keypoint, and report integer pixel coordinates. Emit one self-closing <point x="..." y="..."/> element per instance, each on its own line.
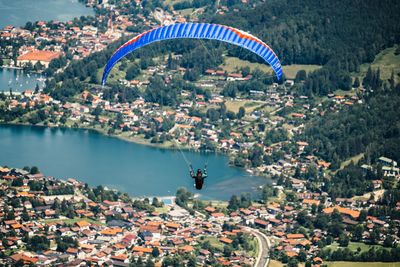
<point x="47" y="221"/>
<point x="325" y="204"/>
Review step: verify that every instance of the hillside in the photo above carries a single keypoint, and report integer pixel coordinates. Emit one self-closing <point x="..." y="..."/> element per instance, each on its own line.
<point x="371" y="128"/>
<point x="333" y="34"/>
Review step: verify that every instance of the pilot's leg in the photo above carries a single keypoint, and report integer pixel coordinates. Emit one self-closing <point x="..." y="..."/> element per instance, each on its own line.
<point x="198" y="184"/>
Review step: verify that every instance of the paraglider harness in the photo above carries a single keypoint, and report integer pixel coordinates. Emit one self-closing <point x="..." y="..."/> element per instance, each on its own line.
<point x="199" y="176"/>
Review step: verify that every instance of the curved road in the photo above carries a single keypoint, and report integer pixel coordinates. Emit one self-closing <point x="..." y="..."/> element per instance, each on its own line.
<point x="264" y="245"/>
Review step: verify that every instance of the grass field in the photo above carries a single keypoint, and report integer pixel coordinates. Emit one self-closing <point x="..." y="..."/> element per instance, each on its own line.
<point x="185" y="12"/>
<point x="354" y="246"/>
<point x="290" y="71"/>
<point x="254" y="253"/>
<point x="387" y="61"/>
<point x="248" y="105"/>
<point x="71" y="221"/>
<point x="355" y="159"/>
<point x="164" y="209"/>
<point x="217" y="203"/>
<point x="361" y="264"/>
<point x="233" y="64"/>
<point x="214" y="242"/>
<point x="274" y="263"/>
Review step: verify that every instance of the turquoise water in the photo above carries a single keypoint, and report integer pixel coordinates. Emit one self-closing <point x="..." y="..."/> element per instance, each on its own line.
<point x="18" y="80"/>
<point x="18" y="12"/>
<point x="101" y="160"/>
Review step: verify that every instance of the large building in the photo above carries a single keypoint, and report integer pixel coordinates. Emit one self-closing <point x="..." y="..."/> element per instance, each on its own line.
<point x="44" y="57"/>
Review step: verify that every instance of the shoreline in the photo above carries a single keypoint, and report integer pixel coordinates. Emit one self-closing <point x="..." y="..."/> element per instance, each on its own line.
<point x="10" y="67"/>
<point x="135" y="140"/>
<point x="207" y="199"/>
<point x="140" y="141"/>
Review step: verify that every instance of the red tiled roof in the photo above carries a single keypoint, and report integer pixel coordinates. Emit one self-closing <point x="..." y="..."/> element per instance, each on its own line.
<point x="46" y="56"/>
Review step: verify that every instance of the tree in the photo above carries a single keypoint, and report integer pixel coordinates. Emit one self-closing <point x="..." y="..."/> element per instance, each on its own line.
<point x="183" y="196"/>
<point x="301" y="75"/>
<point x="234" y="203"/>
<point x="374" y="236"/>
<point x="241" y="113"/>
<point x="64" y="242"/>
<point x="25" y="216"/>
<point x="293" y="263"/>
<point x="34" y="170"/>
<point x="132" y="72"/>
<point x="343" y="240"/>
<point x="255" y="156"/>
<point x="18" y="182"/>
<point x="389" y="241"/>
<point x="245" y="71"/>
<point x="155" y="253"/>
<point x="149" y="263"/>
<point x="38" y="243"/>
<point x="156" y="203"/>
<point x="227" y="250"/>
<point x="357" y="232"/>
<point x="206" y="245"/>
<point x="397" y="51"/>
<point x="356" y="83"/>
<point x="213" y="114"/>
<point x="245" y="200"/>
<point x="302" y="256"/>
<point x="159" y="92"/>
<point x="363" y="216"/>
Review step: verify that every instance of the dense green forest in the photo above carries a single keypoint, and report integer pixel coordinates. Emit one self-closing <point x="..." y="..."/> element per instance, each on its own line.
<point x="372" y="128"/>
<point x="339" y="35"/>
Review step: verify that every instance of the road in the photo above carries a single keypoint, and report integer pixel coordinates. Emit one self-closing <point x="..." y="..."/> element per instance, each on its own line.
<point x="264" y="245"/>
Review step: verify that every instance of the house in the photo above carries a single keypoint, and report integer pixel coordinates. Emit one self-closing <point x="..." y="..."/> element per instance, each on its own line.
<point x="43" y="57"/>
<point x="261" y="223"/>
<point x="226" y="240"/>
<point x="387" y="162"/>
<point x="390" y="171"/>
<point x="177" y="215"/>
<point x="344" y="211"/>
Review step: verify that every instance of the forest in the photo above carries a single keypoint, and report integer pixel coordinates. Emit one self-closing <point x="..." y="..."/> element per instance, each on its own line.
<point x="371" y="128"/>
<point x="338" y="35"/>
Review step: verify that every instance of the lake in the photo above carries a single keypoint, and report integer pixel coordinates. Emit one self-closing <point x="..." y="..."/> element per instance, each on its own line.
<point x="19" y="80"/>
<point x="136" y="169"/>
<point x="18" y="12"/>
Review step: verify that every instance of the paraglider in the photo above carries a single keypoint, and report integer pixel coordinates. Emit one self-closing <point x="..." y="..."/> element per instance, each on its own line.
<point x="198" y="177"/>
<point x="197" y="31"/>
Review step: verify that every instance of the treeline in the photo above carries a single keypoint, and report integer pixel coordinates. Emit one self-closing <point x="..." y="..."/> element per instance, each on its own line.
<point x="336" y="35"/>
<point x="191" y="4"/>
<point x="371" y="255"/>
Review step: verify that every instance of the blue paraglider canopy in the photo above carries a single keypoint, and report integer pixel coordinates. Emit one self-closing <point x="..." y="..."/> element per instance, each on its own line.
<point x="197" y="31"/>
